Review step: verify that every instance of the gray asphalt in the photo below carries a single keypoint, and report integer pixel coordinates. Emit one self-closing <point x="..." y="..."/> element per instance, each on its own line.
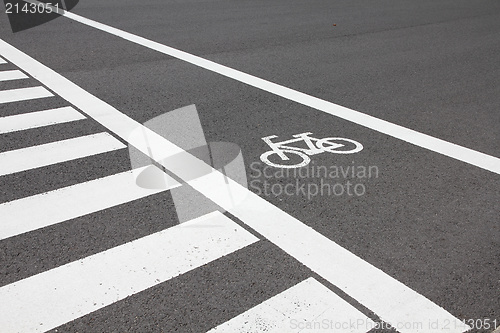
<point x="429" y="221"/>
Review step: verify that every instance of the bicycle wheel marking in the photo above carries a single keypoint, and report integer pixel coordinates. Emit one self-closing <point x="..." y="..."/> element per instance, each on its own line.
<point x="284" y="150"/>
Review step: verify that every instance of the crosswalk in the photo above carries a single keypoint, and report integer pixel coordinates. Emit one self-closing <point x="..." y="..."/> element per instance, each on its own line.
<point x="83" y="286"/>
<point x="54" y="297"/>
<point x="46" y="300"/>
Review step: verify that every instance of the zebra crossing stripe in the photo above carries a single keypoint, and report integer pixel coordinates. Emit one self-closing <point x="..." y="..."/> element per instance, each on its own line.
<point x="12" y="75"/>
<point x="49" y="208"/>
<point x="307" y="306"/>
<point x="56" y="152"/>
<point x="37" y="119"/>
<point x="47" y="300"/>
<point x="23" y="94"/>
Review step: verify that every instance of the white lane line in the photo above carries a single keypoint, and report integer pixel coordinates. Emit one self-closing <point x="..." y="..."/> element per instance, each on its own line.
<point x="56" y="152"/>
<point x="55" y="297"/>
<point x="23" y="94"/>
<point x="308" y="306"/>
<point x="49" y="208"/>
<point x="334" y="263"/>
<point x="12" y="75"/>
<point x="449" y="149"/>
<point x="2" y="61"/>
<point x="37" y="119"/>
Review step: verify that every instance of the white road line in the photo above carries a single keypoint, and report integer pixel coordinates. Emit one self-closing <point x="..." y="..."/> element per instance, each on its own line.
<point x="388" y="298"/>
<point x="49" y="208"/>
<point x="452" y="150"/>
<point x="12" y="75"/>
<point x="391" y="300"/>
<point x="307" y="306"/>
<point x="37" y="119"/>
<point x="56" y="152"/>
<point x="23" y="94"/>
<point x="2" y="61"/>
<point x="55" y="297"/>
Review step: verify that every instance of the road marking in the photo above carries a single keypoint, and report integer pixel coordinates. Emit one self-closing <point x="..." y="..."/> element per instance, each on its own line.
<point x="49" y="208"/>
<point x="391" y="300"/>
<point x="56" y="152"/>
<point x="314" y="146"/>
<point x="23" y="94"/>
<point x="37" y="119"/>
<point x="2" y="61"/>
<point x="307" y="306"/>
<point x="358" y="278"/>
<point x="52" y="298"/>
<point x="12" y="75"/>
<point x="449" y="149"/>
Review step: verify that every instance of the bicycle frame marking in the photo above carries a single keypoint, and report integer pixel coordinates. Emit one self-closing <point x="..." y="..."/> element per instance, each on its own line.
<point x="314" y="146"/>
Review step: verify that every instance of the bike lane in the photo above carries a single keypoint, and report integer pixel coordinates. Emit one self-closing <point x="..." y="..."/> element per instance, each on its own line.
<point x="421" y="217"/>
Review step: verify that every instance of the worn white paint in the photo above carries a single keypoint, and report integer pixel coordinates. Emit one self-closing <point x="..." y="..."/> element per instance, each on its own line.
<point x="308" y="306"/>
<point x="47" y="300"/>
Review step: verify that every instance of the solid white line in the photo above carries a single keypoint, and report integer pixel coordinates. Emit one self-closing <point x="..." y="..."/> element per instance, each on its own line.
<point x="307" y="306"/>
<point x="49" y="208"/>
<point x="37" y="119"/>
<point x="56" y="152"/>
<point x="12" y="75"/>
<point x="337" y="265"/>
<point x="452" y="150"/>
<point x="23" y="94"/>
<point x="55" y="297"/>
<point x="2" y="61"/>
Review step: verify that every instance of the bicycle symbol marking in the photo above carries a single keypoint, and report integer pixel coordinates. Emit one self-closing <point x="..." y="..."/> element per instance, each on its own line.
<point x="283" y="149"/>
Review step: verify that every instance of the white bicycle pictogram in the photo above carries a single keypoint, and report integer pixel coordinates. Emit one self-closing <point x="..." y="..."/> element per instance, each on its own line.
<point x="314" y="146"/>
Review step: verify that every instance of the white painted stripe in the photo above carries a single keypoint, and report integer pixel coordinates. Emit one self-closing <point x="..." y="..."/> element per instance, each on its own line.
<point x="55" y="297"/>
<point x="12" y="75"/>
<point x="306" y="307"/>
<point x="452" y="150"/>
<point x="49" y="208"/>
<point x="37" y="119"/>
<point x="328" y="259"/>
<point x="391" y="300"/>
<point x="23" y="94"/>
<point x="2" y="61"/>
<point x="56" y="152"/>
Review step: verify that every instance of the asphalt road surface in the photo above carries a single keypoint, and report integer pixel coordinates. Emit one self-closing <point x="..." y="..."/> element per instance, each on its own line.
<point x="372" y="205"/>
